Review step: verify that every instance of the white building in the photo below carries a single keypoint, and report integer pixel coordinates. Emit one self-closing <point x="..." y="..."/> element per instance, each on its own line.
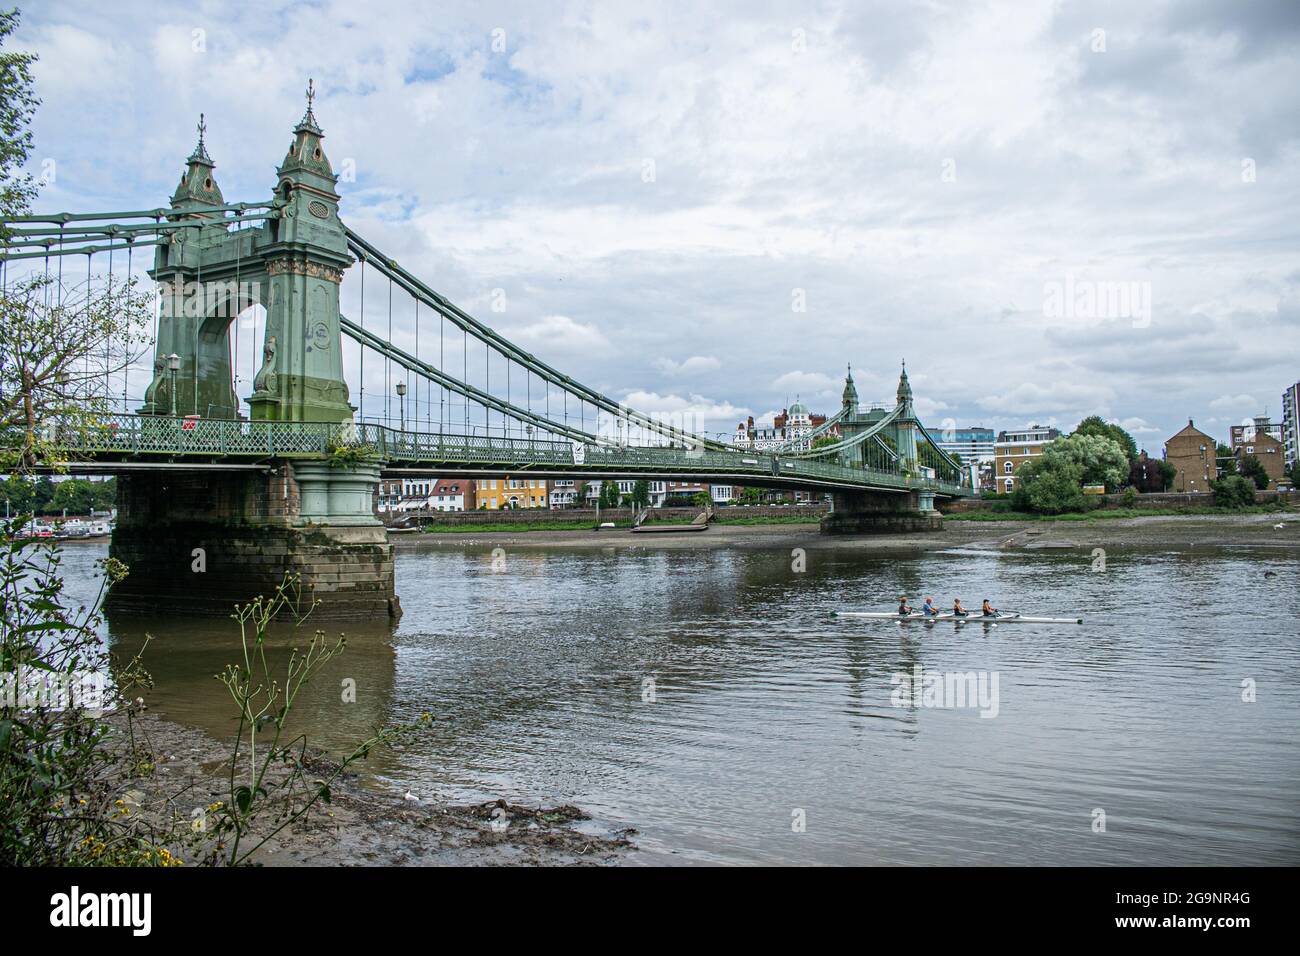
<point x="1291" y="424"/>
<point x="974" y="443"/>
<point x="790" y="427"/>
<point x="422" y="494"/>
<point x="564" y="491"/>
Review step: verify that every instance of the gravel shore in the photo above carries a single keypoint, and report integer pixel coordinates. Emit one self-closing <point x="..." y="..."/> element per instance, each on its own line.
<point x="360" y="826"/>
<point x="1164" y="532"/>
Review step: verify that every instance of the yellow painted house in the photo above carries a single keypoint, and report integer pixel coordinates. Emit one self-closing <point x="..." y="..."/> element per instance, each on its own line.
<point x="495" y="494"/>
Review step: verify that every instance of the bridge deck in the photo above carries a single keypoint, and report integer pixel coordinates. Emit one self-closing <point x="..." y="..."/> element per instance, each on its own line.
<point x="139" y="440"/>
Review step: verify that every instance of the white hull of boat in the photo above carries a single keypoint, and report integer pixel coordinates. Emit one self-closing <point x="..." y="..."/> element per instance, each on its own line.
<point x="968" y="619"/>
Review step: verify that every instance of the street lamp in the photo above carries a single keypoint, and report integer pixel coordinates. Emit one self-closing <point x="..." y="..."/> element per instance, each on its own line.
<point x="173" y="366"/>
<point x="401" y="393"/>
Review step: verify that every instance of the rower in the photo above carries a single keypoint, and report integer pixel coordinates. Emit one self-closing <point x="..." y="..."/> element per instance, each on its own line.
<point x="988" y="609"/>
<point x="928" y="609"/>
<point x="957" y="609"/>
<point x="904" y="609"/>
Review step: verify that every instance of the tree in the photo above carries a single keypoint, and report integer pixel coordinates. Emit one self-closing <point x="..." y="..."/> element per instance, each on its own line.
<point x="19" y="493"/>
<point x="1096" y="425"/>
<point x="79" y="496"/>
<point x="60" y="352"/>
<point x="1167" y="474"/>
<point x="1100" y="460"/>
<point x="1049" y="487"/>
<point x="1294" y="473"/>
<point x="1251" y="468"/>
<point x="60" y="348"/>
<point x="1225" y="462"/>
<point x="823" y="441"/>
<point x="18" y="105"/>
<point x="609" y="494"/>
<point x="701" y="499"/>
<point x="641" y="493"/>
<point x="1233" y="491"/>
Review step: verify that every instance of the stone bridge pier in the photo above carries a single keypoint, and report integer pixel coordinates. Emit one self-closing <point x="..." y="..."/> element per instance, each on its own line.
<point x="881" y="512"/>
<point x="200" y="542"/>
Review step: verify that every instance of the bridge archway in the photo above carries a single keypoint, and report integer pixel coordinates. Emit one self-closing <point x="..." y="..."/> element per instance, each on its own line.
<point x="213" y="392"/>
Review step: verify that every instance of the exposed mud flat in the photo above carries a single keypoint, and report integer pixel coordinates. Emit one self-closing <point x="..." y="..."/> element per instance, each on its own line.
<point x="1165" y="532"/>
<point x="360" y="826"/>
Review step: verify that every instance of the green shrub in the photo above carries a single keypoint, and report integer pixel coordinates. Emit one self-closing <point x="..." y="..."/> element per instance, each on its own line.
<point x="1233" y="491"/>
<point x="1049" y="487"/>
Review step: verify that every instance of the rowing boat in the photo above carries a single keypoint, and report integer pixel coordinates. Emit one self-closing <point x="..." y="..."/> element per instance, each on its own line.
<point x="967" y="619"/>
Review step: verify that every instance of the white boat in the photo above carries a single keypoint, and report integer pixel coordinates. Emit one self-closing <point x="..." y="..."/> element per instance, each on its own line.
<point x="958" y="619"/>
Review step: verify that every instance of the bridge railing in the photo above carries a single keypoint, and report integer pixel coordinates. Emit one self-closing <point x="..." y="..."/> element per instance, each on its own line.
<point x="162" y="435"/>
<point x="415" y="447"/>
<point x="154" y="435"/>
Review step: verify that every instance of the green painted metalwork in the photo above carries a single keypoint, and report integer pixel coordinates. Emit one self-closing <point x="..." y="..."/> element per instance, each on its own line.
<point x="435" y="375"/>
<point x="160" y="212"/>
<point x="292" y="265"/>
<point x="463" y="320"/>
<point x="136" y="438"/>
<point x="291" y="258"/>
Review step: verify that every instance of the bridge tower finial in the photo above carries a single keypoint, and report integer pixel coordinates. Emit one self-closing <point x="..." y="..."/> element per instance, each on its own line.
<point x="197" y="185"/>
<point x="850" y="397"/>
<point x="304" y="272"/>
<point x="904" y="387"/>
<point x="309" y="117"/>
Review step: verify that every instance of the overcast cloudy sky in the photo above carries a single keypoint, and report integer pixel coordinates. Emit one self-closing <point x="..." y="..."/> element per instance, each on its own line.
<point x="656" y="188"/>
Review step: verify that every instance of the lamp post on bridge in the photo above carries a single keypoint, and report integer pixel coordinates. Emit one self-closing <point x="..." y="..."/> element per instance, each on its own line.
<point x="173" y="366"/>
<point x="401" y="394"/>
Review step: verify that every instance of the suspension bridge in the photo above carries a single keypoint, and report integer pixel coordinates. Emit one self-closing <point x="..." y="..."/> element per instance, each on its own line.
<point x="222" y="493"/>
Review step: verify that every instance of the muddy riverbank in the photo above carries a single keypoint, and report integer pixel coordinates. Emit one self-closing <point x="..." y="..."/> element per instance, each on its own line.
<point x="1165" y="532"/>
<point x="360" y="826"/>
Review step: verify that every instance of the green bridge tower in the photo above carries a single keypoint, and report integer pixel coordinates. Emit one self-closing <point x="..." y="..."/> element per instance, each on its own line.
<point x="214" y="538"/>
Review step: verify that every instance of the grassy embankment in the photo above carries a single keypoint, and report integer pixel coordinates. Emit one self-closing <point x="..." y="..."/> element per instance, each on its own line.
<point x="511" y="526"/>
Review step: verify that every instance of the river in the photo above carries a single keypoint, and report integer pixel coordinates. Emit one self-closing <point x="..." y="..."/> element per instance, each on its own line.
<point x="709" y="699"/>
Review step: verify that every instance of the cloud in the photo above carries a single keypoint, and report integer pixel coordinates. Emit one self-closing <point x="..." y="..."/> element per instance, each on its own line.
<point x="806" y="383"/>
<point x="559" y="333"/>
<point x="1031" y="398"/>
<point x="1228" y="403"/>
<point x="927" y="408"/>
<point x="1139" y="426"/>
<point x="690" y="366"/>
<point x="918" y="213"/>
<point x="693" y="412"/>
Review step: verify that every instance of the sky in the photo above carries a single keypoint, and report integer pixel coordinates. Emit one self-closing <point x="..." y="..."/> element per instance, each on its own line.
<point x="1050" y="210"/>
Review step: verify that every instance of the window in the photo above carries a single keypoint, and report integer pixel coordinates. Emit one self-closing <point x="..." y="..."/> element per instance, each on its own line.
<point x="1010" y="484"/>
<point x="1008" y="467"/>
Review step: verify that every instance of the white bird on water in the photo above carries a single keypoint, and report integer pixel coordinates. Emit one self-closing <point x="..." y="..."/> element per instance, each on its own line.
<point x="410" y="796"/>
<point x="1279" y="526"/>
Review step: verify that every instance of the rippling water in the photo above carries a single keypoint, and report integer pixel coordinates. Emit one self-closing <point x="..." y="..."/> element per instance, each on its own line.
<point x="765" y="706"/>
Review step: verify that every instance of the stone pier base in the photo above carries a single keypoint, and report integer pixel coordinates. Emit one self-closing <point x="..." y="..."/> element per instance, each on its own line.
<point x="867" y="512"/>
<point x="202" y="542"/>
